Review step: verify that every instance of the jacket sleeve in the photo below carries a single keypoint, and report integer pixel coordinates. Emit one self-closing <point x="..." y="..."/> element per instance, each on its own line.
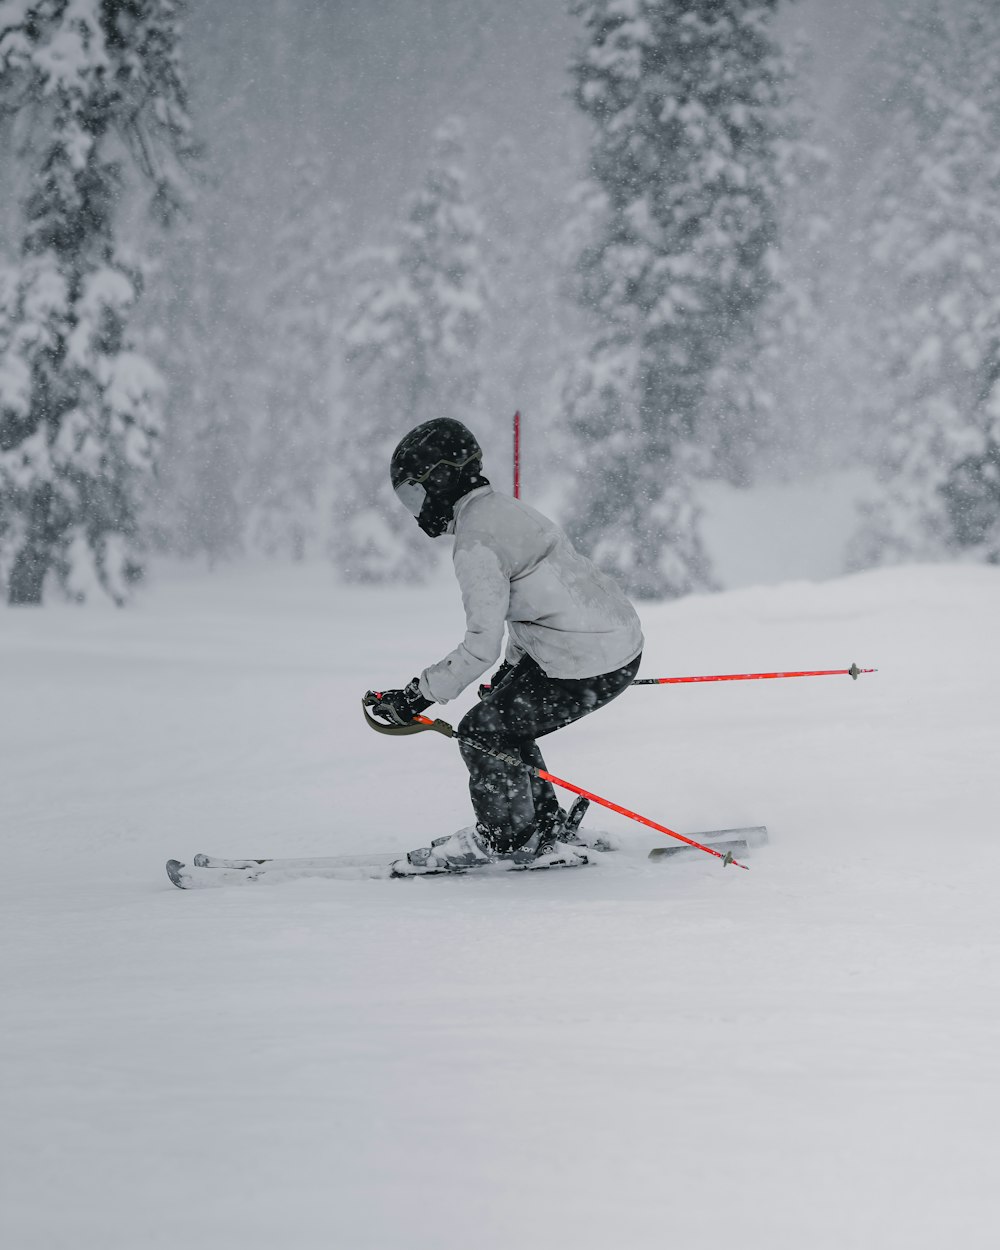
<point x="485" y="589"/>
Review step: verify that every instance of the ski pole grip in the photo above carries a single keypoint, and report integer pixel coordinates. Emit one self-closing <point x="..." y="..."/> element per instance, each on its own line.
<point x="418" y="725"/>
<point x="439" y="726"/>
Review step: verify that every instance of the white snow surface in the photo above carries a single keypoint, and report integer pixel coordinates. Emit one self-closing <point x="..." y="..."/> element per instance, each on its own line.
<point x="636" y="1054"/>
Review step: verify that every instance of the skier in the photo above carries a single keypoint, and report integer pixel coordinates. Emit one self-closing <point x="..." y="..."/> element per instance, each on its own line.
<point x="574" y="643"/>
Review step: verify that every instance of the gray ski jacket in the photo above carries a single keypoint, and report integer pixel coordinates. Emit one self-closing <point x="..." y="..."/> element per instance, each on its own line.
<point x="517" y="569"/>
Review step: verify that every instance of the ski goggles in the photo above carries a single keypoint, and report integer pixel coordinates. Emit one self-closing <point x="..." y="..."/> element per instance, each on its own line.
<point x="412" y="493"/>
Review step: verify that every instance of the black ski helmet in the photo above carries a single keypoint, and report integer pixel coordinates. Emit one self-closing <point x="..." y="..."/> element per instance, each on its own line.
<point x="432" y="468"/>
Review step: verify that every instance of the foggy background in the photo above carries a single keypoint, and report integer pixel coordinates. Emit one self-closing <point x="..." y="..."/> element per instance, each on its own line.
<point x="372" y="81"/>
<point x="317" y="121"/>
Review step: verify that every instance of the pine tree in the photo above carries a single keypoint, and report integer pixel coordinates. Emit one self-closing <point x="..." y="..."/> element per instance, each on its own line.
<point x="930" y="252"/>
<point x="205" y="337"/>
<point x="411" y="355"/>
<point x="99" y="95"/>
<point x="767" y="400"/>
<point x="293" y="446"/>
<point x="534" y="330"/>
<point x="686" y="100"/>
<point x="204" y="317"/>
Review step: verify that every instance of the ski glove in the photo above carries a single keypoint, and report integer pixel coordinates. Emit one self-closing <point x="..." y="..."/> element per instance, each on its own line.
<point x="399" y="707"/>
<point x="496" y="679"/>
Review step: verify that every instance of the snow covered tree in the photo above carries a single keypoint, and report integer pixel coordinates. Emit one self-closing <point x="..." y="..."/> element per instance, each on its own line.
<point x="767" y="401"/>
<point x="205" y="338"/>
<point x="928" y="260"/>
<point x="534" y="330"/>
<point x="686" y="100"/>
<point x="411" y="354"/>
<point x="203" y="316"/>
<point x="291" y="457"/>
<point x="97" y="92"/>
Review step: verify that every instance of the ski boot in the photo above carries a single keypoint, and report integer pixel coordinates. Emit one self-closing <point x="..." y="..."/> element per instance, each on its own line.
<point x="547" y="852"/>
<point x="555" y="843"/>
<point x="455" y="852"/>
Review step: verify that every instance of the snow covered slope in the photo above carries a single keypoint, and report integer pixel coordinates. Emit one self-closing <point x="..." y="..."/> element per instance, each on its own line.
<point x="805" y="1056"/>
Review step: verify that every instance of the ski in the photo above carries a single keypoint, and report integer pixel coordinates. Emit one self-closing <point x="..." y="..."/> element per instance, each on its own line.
<point x="735" y="841"/>
<point x="211" y="871"/>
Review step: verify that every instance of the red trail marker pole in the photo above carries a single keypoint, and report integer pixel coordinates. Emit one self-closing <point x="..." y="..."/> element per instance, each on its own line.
<point x="517" y="455"/>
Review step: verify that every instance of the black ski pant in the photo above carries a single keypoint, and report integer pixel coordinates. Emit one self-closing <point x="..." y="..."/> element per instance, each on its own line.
<point x="509" y="802"/>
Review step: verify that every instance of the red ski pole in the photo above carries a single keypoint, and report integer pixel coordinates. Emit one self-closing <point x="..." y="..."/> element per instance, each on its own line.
<point x="420" y="723"/>
<point x="853" y="672"/>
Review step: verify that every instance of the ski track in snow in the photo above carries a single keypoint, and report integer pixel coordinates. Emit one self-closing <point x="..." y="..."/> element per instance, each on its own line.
<point x="805" y="1056"/>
